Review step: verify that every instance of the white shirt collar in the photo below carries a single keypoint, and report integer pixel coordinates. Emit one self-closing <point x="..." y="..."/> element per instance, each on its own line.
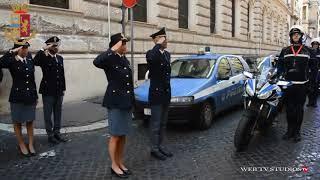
<point x="119" y="54"/>
<point x="52" y="54"/>
<point x="162" y="51"/>
<point x="19" y="58"/>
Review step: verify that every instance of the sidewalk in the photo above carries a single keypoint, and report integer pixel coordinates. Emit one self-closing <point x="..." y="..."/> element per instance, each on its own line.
<point x="74" y="114"/>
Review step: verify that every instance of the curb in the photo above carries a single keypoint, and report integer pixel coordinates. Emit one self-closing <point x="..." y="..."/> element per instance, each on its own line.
<point x="72" y="129"/>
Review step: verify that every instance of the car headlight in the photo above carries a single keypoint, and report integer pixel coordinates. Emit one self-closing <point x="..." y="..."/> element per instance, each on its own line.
<point x="249" y="91"/>
<point x="264" y="95"/>
<point x="185" y="99"/>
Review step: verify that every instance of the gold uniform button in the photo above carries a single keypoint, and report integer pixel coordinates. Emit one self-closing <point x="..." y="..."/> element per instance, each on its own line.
<point x="28" y="89"/>
<point x="128" y="84"/>
<point x="127" y="75"/>
<point x="27" y="82"/>
<point x="128" y="92"/>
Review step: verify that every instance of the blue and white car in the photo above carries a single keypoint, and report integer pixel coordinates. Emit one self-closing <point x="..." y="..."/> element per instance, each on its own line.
<point x="201" y="86"/>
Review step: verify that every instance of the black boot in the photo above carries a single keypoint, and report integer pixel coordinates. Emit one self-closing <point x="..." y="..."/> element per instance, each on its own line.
<point x="53" y="140"/>
<point x="158" y="155"/>
<point x="297" y="137"/>
<point x="165" y="152"/>
<point x="60" y="138"/>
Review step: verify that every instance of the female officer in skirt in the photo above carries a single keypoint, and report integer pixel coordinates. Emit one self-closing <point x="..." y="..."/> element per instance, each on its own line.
<point x="23" y="95"/>
<point x="118" y="99"/>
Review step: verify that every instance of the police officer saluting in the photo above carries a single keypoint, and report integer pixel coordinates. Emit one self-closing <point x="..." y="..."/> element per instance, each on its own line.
<point x="158" y="60"/>
<point x="52" y="87"/>
<point x="118" y="99"/>
<point x="23" y="95"/>
<point x="294" y="64"/>
<point x="313" y="84"/>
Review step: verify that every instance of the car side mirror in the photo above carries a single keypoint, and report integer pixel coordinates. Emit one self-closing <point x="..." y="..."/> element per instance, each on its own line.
<point x="146" y="76"/>
<point x="248" y="74"/>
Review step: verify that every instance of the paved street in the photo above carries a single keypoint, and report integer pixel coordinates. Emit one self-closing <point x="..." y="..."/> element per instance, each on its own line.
<point x="206" y="155"/>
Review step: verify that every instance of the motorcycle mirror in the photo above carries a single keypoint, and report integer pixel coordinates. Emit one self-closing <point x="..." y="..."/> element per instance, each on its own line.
<point x="248" y="74"/>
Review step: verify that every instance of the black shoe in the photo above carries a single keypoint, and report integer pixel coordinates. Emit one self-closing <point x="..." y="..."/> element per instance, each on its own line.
<point x="23" y="154"/>
<point x="158" y="155"/>
<point x="127" y="172"/>
<point x="32" y="153"/>
<point x="53" y="140"/>
<point x="60" y="138"/>
<point x="119" y="175"/>
<point x="297" y="138"/>
<point x="165" y="152"/>
<point x="314" y="105"/>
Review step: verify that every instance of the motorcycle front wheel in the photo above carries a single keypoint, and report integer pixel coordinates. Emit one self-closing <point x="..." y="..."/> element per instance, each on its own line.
<point x="244" y="130"/>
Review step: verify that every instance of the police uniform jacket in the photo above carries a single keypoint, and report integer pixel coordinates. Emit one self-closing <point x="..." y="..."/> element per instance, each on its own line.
<point x="23" y="88"/>
<point x="119" y="93"/>
<point x="53" y="82"/>
<point x="295" y="63"/>
<point x="159" y="74"/>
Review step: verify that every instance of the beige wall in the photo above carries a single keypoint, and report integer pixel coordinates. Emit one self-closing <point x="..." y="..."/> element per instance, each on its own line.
<point x="84" y="30"/>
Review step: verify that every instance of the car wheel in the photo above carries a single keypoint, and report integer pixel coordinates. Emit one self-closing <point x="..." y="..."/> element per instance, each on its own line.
<point x="206" y="116"/>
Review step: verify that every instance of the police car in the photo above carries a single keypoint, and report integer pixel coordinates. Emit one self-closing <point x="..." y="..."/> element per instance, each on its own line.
<point x="201" y="86"/>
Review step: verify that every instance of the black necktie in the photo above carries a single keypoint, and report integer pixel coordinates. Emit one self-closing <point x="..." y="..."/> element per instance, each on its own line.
<point x="24" y="61"/>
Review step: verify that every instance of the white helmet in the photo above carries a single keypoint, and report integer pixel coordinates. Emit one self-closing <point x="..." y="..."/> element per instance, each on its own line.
<point x="296" y="29"/>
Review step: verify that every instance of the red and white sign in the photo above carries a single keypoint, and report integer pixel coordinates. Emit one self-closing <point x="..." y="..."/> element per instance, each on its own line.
<point x="129" y="3"/>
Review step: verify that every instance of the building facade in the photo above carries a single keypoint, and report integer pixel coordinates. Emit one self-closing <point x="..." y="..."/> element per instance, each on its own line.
<point x="248" y="27"/>
<point x="309" y="17"/>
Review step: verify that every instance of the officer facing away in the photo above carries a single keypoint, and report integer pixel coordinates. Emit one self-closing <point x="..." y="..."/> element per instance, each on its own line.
<point x="294" y="65"/>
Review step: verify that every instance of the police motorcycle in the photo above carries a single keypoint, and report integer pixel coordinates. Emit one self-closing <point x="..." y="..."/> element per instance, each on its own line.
<point x="262" y="101"/>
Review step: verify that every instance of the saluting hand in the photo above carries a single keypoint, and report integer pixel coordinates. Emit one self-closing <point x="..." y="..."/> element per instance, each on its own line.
<point x="116" y="46"/>
<point x="47" y="46"/>
<point x="16" y="49"/>
<point x="161" y="40"/>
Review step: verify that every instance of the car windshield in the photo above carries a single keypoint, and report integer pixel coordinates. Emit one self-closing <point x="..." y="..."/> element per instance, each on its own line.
<point x="192" y="68"/>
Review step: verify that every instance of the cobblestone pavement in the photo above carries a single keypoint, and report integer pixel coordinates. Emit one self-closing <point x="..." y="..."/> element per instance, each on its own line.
<point x="206" y="155"/>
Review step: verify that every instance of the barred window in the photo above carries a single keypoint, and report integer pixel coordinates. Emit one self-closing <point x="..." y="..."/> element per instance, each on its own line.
<point x="139" y="11"/>
<point x="57" y="3"/>
<point x="183" y="14"/>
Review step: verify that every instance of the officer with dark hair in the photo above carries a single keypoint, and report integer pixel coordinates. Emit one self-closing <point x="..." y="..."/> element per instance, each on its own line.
<point x="52" y="87"/>
<point x="294" y="65"/>
<point x="23" y="95"/>
<point x="158" y="60"/>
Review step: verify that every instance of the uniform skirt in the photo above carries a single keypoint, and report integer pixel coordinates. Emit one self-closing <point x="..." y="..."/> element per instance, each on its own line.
<point x="119" y="121"/>
<point x="21" y="113"/>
